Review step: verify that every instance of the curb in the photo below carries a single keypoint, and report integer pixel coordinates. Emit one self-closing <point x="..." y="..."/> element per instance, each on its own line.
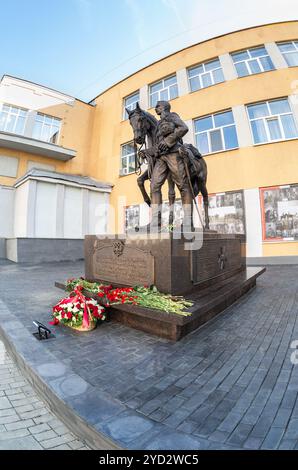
<point x="102" y="422"/>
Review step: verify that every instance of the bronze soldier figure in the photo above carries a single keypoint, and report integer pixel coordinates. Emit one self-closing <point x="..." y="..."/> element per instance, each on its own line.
<point x="170" y="130"/>
<point x="168" y="158"/>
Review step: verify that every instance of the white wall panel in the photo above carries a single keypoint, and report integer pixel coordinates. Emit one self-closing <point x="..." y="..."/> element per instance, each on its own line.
<point x="6" y="211"/>
<point x="45" y="210"/>
<point x="21" y="210"/>
<point x="73" y="211"/>
<point x="97" y="213"/>
<point x="9" y="166"/>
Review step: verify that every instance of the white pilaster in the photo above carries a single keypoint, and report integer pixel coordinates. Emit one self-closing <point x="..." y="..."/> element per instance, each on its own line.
<point x="60" y="211"/>
<point x="277" y="58"/>
<point x="144" y="98"/>
<point x="30" y="121"/>
<point x="293" y="100"/>
<point x="189" y="138"/>
<point x="253" y="222"/>
<point x="242" y="126"/>
<point x="182" y="82"/>
<point x="31" y="209"/>
<point x="228" y="68"/>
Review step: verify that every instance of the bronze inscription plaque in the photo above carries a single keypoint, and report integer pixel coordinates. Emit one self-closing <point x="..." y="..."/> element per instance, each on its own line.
<point x="217" y="258"/>
<point x="118" y="263"/>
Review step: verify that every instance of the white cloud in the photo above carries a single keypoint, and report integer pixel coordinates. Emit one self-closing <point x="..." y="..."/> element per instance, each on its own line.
<point x="218" y="14"/>
<point x="138" y="22"/>
<point x="175" y="7"/>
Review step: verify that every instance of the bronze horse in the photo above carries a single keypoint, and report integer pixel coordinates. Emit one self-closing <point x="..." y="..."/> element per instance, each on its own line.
<point x="144" y="125"/>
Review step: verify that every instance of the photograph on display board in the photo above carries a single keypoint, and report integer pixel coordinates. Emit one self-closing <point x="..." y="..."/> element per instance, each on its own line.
<point x="280" y="212"/>
<point x="132" y="217"/>
<point x="226" y="212"/>
<point x="178" y="213"/>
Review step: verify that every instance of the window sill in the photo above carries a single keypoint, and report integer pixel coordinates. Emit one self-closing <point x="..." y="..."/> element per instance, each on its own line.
<point x="190" y="92"/>
<point x="275" y="142"/>
<point x="127" y="174"/>
<point x="220" y="151"/>
<point x="257" y="73"/>
<point x="280" y="240"/>
<point x="152" y="108"/>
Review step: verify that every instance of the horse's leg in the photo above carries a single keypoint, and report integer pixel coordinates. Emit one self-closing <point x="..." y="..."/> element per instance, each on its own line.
<point x="171" y="196"/>
<point x="206" y="204"/>
<point x="141" y="183"/>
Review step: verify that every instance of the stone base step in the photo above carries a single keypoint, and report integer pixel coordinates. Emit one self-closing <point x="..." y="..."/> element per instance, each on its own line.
<point x="208" y="303"/>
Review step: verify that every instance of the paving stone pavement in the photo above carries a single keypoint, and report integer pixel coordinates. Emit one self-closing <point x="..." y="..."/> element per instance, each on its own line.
<point x="231" y="383"/>
<point x="26" y="423"/>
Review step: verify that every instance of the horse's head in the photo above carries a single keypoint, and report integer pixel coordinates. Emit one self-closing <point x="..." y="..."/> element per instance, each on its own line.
<point x="139" y="123"/>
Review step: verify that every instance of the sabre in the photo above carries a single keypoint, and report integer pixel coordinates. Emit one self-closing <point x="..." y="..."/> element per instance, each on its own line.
<point x="183" y="155"/>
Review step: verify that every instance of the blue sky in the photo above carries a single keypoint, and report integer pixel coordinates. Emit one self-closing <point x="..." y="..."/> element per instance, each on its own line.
<point x="82" y="47"/>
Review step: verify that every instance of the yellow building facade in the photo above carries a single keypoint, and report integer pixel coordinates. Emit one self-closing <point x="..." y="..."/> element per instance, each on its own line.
<point x="243" y="85"/>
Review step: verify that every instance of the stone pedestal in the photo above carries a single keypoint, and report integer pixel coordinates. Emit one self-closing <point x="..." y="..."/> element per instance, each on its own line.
<point x="164" y="261"/>
<point x="212" y="276"/>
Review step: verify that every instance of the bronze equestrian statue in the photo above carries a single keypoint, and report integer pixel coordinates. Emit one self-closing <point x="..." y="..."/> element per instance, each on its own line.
<point x="144" y="126"/>
<point x="168" y="158"/>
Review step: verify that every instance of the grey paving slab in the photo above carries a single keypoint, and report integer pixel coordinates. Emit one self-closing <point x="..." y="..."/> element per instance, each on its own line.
<point x="18" y="431"/>
<point x="229" y="384"/>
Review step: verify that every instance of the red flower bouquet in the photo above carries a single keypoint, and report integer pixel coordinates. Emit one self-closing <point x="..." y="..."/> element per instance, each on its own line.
<point x="78" y="312"/>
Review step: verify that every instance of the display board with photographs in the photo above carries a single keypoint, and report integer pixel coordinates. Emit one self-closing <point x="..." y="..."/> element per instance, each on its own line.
<point x="132" y="217"/>
<point x="178" y="213"/>
<point x="226" y="212"/>
<point x="279" y="206"/>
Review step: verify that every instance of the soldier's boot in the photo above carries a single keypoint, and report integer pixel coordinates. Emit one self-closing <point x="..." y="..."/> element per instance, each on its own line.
<point x="156" y="206"/>
<point x="187" y="204"/>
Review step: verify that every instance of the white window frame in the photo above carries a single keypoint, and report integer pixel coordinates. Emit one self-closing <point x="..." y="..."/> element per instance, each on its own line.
<point x="285" y="54"/>
<point x="271" y="117"/>
<point x="12" y="113"/>
<point x="43" y="115"/>
<point x="215" y="129"/>
<point x="252" y="58"/>
<point x="124" y="169"/>
<point x="163" y="88"/>
<point x="210" y="72"/>
<point x="130" y="106"/>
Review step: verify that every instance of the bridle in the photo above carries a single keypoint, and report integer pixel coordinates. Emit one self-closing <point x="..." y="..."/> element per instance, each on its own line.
<point x="137" y="152"/>
<point x="138" y="161"/>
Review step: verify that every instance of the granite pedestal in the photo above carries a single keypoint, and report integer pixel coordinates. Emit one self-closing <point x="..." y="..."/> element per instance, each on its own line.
<point x="213" y="276"/>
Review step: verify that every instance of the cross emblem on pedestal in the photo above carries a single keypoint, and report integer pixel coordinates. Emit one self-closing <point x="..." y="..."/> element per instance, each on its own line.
<point x="222" y="259"/>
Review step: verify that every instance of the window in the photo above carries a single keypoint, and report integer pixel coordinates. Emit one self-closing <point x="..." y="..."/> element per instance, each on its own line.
<point x="204" y="75"/>
<point x="130" y="103"/>
<point x="252" y="61"/>
<point x="272" y="121"/>
<point x="132" y="217"/>
<point x="216" y="132"/>
<point x="46" y="128"/>
<point x="279" y="206"/>
<point x="127" y="159"/>
<point x="226" y="212"/>
<point x="13" y="119"/>
<point x="165" y="89"/>
<point x="290" y="52"/>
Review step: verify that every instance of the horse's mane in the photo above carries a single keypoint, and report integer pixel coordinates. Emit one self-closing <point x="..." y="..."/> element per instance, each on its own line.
<point x="150" y="118"/>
